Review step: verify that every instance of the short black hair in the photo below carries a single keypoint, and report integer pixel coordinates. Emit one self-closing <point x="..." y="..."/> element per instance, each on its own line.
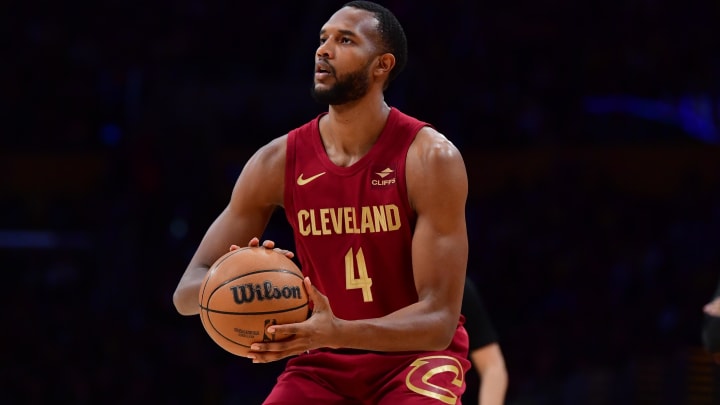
<point x="392" y="34"/>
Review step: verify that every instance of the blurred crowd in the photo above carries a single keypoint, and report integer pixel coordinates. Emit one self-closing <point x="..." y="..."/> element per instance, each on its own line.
<point x="218" y="73"/>
<point x="594" y="234"/>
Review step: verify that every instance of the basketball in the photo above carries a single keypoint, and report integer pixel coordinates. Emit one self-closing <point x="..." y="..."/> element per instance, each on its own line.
<point x="247" y="290"/>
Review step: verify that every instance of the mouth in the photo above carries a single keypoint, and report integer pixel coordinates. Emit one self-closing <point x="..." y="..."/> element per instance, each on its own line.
<point x="322" y="69"/>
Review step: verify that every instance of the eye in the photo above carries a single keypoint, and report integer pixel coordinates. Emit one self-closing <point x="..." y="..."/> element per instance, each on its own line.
<point x="345" y="40"/>
<point x="322" y="40"/>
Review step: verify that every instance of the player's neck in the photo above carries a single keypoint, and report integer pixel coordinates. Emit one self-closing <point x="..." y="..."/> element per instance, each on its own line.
<point x="349" y="131"/>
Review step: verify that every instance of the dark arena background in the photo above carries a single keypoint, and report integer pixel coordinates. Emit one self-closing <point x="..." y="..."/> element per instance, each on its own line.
<point x="591" y="132"/>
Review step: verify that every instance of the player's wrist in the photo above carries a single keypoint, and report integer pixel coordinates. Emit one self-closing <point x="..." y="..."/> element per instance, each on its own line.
<point x="337" y="342"/>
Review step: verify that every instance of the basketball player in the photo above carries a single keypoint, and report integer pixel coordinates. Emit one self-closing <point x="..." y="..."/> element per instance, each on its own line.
<point x="485" y="353"/>
<point x="711" y="326"/>
<point x="376" y="200"/>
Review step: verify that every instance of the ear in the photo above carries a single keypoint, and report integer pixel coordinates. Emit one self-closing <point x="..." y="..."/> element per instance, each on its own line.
<point x="386" y="62"/>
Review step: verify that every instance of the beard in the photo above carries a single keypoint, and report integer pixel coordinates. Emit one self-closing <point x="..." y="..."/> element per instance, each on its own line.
<point x="347" y="88"/>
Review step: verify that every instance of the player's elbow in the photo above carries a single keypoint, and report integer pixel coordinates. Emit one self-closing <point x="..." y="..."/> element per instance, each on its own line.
<point x="184" y="305"/>
<point x="443" y="337"/>
<point x="441" y="326"/>
<point x="442" y="343"/>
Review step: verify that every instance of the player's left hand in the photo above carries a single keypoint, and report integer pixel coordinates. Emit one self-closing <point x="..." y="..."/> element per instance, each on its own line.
<point x="267" y="244"/>
<point x="295" y="338"/>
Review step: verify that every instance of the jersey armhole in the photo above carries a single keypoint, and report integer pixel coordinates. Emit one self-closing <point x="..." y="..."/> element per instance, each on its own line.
<point x="288" y="201"/>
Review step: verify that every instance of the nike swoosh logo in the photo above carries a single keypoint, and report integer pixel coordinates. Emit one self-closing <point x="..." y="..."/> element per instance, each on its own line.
<point x="302" y="182"/>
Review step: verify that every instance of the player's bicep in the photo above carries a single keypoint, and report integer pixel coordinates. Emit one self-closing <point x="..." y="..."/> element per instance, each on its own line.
<point x="437" y="186"/>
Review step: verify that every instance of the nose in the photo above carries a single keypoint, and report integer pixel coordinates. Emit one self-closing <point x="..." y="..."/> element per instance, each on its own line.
<point x="323" y="51"/>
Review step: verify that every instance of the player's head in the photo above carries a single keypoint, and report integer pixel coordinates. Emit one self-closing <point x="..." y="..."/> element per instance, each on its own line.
<point x="391" y="34"/>
<point x="361" y="44"/>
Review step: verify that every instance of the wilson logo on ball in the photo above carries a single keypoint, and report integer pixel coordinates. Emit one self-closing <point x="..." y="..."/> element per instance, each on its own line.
<point x="247" y="290"/>
<point x="246" y="293"/>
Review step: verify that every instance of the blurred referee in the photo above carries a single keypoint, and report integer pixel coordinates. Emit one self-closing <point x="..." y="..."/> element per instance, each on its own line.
<point x="711" y="326"/>
<point x="484" y="351"/>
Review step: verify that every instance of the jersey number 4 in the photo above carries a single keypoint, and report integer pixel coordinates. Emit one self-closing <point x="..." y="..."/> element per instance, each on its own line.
<point x="362" y="280"/>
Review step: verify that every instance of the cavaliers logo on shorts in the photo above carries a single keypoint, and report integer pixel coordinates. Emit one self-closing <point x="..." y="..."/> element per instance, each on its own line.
<point x="438" y="377"/>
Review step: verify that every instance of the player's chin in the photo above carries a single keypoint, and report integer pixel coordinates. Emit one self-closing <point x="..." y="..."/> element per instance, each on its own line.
<point x="323" y="84"/>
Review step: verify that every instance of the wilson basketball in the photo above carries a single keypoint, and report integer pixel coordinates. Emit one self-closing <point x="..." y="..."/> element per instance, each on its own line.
<point x="247" y="290"/>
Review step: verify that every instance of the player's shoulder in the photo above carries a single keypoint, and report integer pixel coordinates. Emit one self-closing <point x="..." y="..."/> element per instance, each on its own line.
<point x="274" y="152"/>
<point x="432" y="145"/>
<point x="274" y="148"/>
<point x="431" y="134"/>
<point x="269" y="156"/>
<point x="434" y="161"/>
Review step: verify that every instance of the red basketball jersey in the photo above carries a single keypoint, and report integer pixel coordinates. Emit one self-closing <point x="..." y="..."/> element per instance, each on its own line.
<point x="353" y="225"/>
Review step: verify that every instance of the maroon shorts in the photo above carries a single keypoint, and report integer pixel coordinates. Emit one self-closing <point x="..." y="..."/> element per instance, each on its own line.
<point x="354" y="377"/>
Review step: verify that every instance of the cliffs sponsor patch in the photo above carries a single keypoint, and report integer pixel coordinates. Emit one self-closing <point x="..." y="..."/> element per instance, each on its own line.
<point x="382" y="177"/>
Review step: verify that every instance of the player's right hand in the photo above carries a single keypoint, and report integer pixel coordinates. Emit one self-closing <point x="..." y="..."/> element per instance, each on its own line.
<point x="319" y="330"/>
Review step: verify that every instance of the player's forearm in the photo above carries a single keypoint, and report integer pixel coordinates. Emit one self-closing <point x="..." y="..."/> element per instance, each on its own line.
<point x="408" y="329"/>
